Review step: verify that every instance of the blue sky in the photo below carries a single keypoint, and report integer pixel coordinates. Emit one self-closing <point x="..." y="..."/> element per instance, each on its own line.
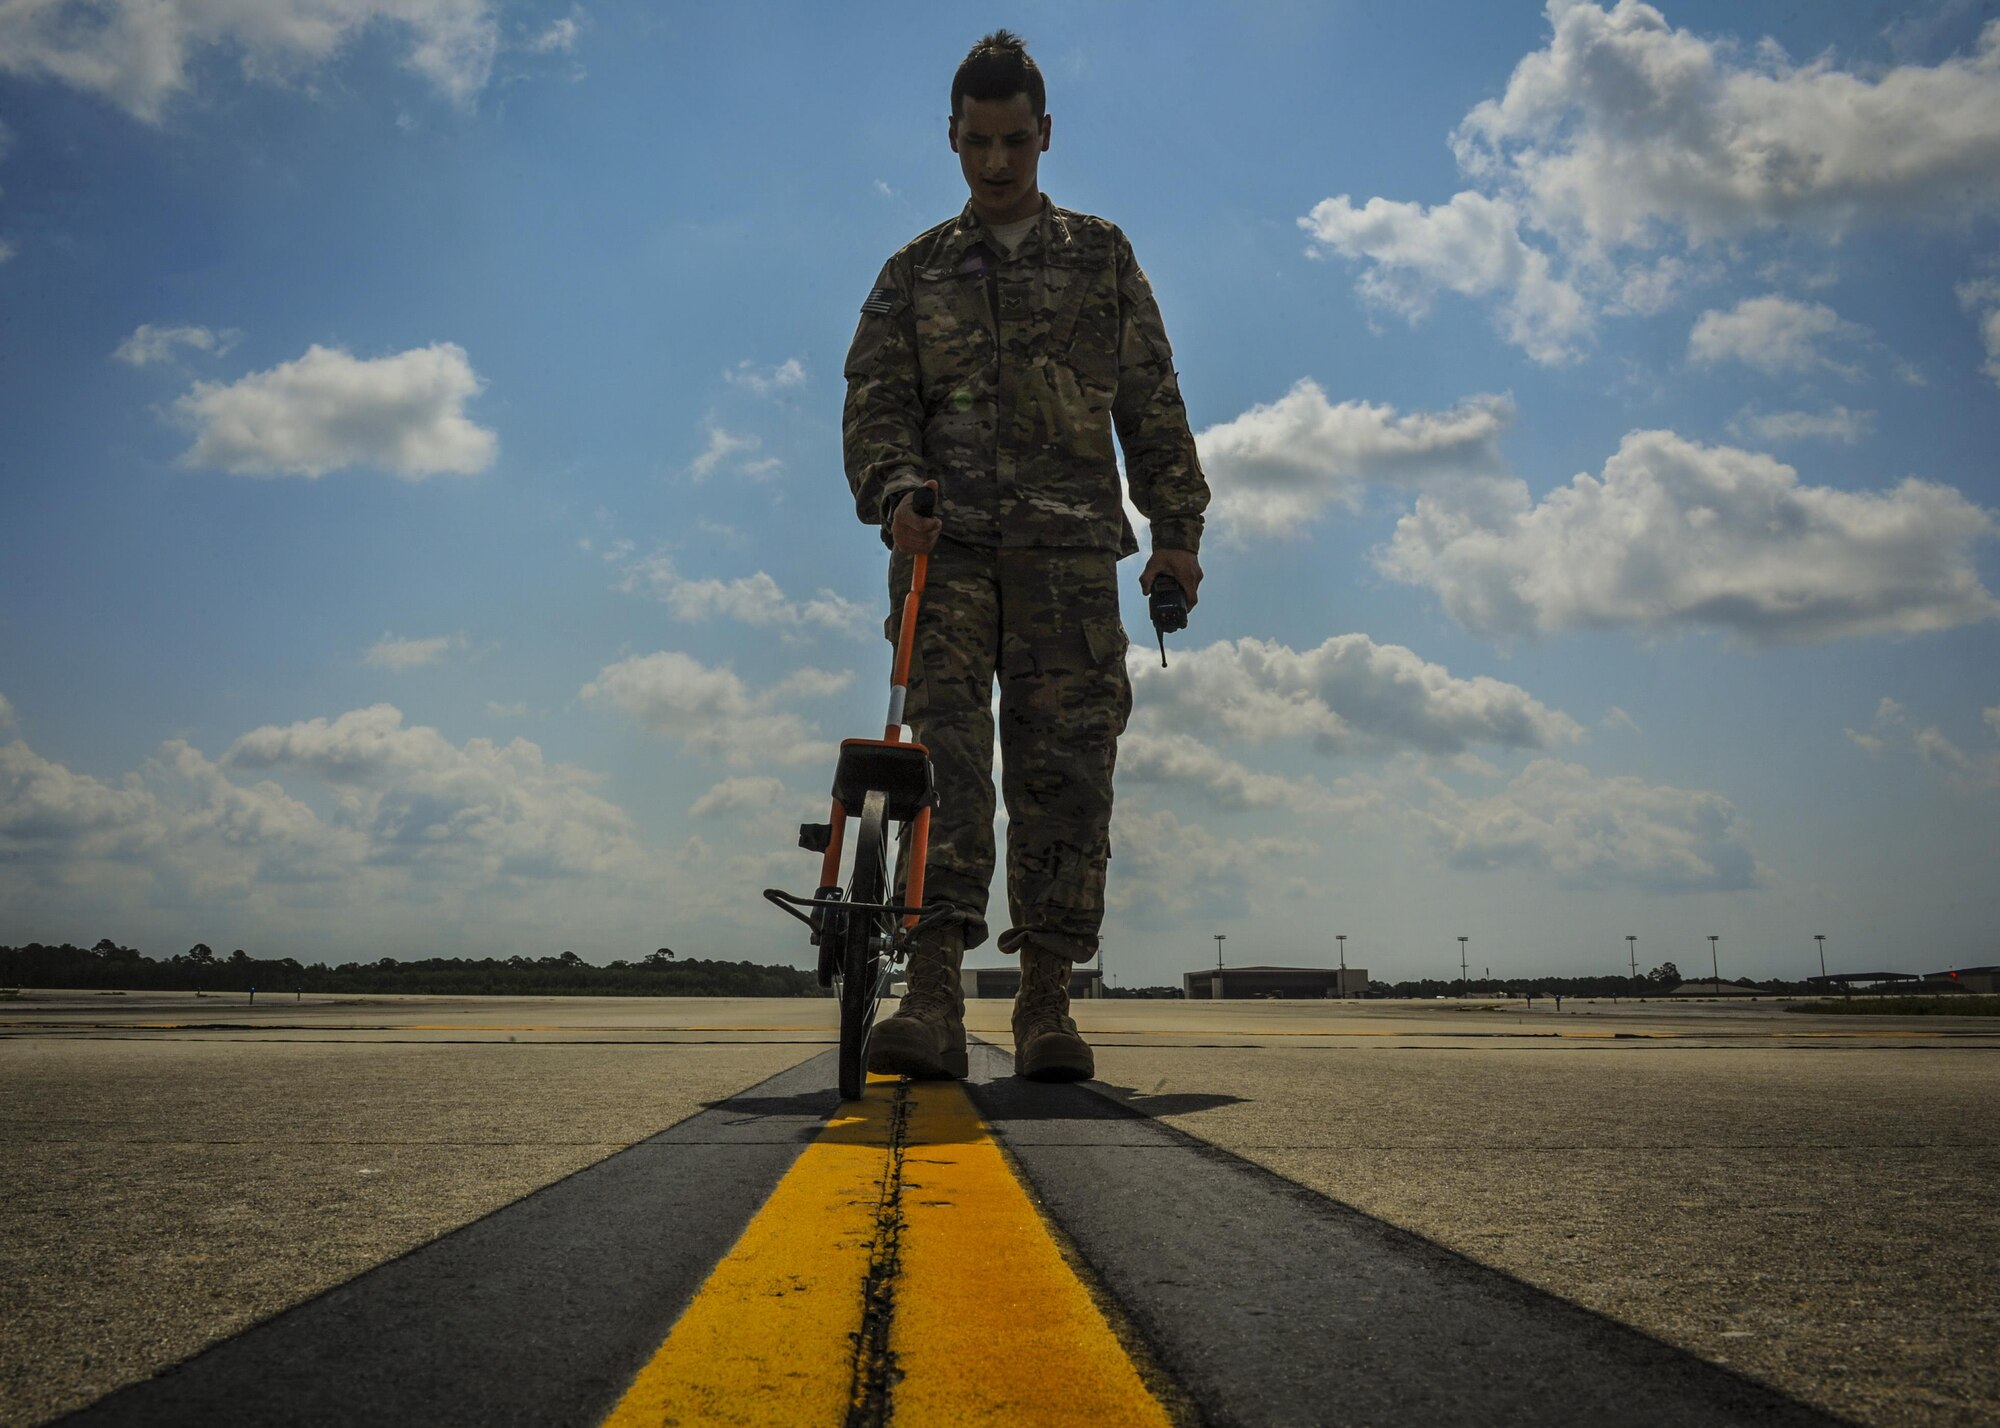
<point x="424" y="531"/>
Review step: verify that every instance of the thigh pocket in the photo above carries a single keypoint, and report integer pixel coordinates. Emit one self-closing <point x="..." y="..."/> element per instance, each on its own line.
<point x="1105" y="637"/>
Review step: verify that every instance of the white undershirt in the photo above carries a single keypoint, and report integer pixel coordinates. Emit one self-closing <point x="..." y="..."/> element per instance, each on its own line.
<point x="1009" y="235"/>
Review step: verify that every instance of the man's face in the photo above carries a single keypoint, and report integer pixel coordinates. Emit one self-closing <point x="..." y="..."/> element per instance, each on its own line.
<point x="1000" y="144"/>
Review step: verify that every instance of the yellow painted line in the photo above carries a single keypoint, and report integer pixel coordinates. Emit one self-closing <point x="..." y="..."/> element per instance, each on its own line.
<point x="991" y="1324"/>
<point x="769" y="1338"/>
<point x="987" y="1323"/>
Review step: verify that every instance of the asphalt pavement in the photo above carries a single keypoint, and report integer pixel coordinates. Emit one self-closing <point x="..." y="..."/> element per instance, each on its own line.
<point x="1297" y="1212"/>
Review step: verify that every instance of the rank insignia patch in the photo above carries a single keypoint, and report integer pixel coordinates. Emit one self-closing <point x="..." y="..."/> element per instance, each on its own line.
<point x="880" y="300"/>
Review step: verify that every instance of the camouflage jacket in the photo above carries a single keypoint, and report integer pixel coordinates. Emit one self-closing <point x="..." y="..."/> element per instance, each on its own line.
<point x="1003" y="377"/>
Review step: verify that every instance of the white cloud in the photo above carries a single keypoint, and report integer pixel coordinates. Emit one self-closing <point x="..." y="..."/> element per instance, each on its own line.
<point x="355" y="835"/>
<point x="149" y="344"/>
<point x="180" y="825"/>
<point x="561" y="36"/>
<point x="6" y="713"/>
<point x="46" y="809"/>
<point x="881" y="186"/>
<point x="1617" y="718"/>
<point x="328" y="410"/>
<point x="224" y="837"/>
<point x="1676" y="534"/>
<point x="1624" y="127"/>
<point x="712" y="711"/>
<point x="490" y="810"/>
<point x="1981" y="300"/>
<point x="1624" y="136"/>
<point x="738" y="795"/>
<point x="183" y="829"/>
<point x="393" y="652"/>
<point x="1348" y="694"/>
<point x="1163" y="869"/>
<point x="1279" y="465"/>
<point x="1836" y="423"/>
<point x="724" y="444"/>
<point x="1775" y="335"/>
<point x="1593" y="833"/>
<point x="766" y="380"/>
<point x="6" y="251"/>
<point x="496" y="710"/>
<point x="1888" y="723"/>
<point x="139" y="54"/>
<point x="1471" y="245"/>
<point x="1976" y="771"/>
<point x="1184" y="761"/>
<point x="753" y="599"/>
<point x="1648" y="288"/>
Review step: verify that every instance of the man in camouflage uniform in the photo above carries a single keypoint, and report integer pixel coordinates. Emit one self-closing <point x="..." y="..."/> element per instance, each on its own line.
<point x="995" y="355"/>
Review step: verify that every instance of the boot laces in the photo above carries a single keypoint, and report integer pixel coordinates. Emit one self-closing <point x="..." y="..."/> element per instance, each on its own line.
<point x="1044" y="990"/>
<point x="930" y="1003"/>
<point x="933" y="988"/>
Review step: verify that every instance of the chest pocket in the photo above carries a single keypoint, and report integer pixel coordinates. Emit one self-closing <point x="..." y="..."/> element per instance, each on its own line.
<point x="954" y="342"/>
<point x="1082" y="302"/>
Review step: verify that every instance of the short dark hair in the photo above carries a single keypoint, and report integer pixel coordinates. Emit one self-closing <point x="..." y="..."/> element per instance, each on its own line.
<point x="999" y="67"/>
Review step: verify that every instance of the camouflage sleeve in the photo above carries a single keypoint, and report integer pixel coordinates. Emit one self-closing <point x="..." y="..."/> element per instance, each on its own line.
<point x="1161" y="466"/>
<point x="882" y="425"/>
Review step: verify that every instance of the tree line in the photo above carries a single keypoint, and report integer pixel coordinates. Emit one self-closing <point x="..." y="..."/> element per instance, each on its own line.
<point x="109" y="966"/>
<point x="1661" y="980"/>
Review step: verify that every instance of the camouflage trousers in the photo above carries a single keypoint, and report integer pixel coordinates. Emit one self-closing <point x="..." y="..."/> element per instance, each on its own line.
<point x="1044" y="623"/>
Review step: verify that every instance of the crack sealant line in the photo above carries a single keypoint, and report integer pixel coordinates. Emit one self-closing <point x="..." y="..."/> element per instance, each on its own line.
<point x="875" y="1368"/>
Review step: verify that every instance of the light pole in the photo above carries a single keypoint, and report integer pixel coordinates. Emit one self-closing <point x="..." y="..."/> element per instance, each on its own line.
<point x="1341" y="938"/>
<point x="1713" y="965"/>
<point x="1462" y="978"/>
<point x="1820" y="938"/>
<point x="1218" y="949"/>
<point x="1632" y="950"/>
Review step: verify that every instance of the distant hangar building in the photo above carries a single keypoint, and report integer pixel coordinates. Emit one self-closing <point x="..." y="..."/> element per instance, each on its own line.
<point x="1286" y="983"/>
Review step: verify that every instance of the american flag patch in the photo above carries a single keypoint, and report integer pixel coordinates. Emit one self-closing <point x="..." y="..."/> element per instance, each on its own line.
<point x="880" y="300"/>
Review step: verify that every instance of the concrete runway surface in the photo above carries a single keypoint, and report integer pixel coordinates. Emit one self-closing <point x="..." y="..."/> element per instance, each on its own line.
<point x="1382" y="1211"/>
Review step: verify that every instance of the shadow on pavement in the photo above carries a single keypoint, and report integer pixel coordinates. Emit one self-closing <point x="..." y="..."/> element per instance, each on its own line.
<point x="747" y="1110"/>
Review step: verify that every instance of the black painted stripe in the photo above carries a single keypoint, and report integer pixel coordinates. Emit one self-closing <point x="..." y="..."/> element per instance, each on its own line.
<point x="1272" y="1304"/>
<point x="540" y="1313"/>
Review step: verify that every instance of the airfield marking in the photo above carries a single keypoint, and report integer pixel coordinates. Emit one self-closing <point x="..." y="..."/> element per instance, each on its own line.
<point x="898" y="1267"/>
<point x="14" y="1027"/>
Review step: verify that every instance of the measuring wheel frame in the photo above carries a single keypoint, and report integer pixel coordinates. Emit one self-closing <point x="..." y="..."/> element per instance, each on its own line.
<point x="865" y="944"/>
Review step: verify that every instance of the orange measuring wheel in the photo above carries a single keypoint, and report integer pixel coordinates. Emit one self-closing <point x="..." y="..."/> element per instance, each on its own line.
<point x="863" y="936"/>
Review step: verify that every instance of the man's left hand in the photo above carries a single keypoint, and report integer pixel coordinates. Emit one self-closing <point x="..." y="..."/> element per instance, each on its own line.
<point x="1180" y="564"/>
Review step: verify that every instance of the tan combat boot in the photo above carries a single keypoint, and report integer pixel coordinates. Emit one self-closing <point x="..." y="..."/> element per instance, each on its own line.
<point x="925" y="1039"/>
<point x="1046" y="1046"/>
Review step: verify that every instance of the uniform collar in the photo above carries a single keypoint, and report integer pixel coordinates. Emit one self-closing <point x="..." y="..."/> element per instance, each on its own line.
<point x="968" y="229"/>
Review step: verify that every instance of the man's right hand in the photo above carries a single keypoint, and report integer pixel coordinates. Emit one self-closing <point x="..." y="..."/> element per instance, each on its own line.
<point x="911" y="533"/>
